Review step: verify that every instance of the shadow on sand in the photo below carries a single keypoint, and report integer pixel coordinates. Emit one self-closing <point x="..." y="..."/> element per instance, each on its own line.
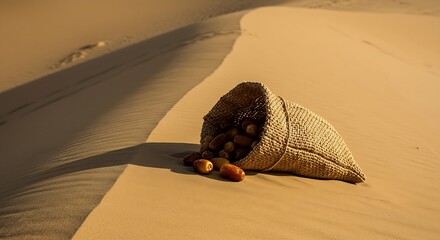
<point x="153" y="155"/>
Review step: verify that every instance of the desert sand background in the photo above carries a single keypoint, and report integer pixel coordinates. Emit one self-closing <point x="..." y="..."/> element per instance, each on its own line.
<point x="99" y="102"/>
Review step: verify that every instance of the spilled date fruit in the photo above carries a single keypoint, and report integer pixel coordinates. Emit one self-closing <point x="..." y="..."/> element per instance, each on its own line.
<point x="232" y="172"/>
<point x="203" y="166"/>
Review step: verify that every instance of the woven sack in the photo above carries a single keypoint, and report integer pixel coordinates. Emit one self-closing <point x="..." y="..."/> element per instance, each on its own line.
<point x="293" y="139"/>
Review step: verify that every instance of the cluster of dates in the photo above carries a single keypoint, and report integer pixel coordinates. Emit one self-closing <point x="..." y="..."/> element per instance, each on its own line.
<point x="232" y="144"/>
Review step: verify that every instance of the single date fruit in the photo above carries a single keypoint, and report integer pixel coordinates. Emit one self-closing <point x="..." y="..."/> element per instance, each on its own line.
<point x="243" y="141"/>
<point x="232" y="172"/>
<point x="218" y="142"/>
<point x="207" y="155"/>
<point x="252" y="130"/>
<point x="203" y="166"/>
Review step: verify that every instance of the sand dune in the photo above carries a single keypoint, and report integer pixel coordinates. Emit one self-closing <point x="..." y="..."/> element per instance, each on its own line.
<point x="65" y="138"/>
<point x="382" y="99"/>
<point x="108" y="113"/>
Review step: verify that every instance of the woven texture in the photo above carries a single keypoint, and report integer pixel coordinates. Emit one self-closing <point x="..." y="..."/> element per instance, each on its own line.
<point x="293" y="140"/>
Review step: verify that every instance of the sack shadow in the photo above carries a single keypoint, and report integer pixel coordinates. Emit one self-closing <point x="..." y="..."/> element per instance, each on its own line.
<point x="169" y="156"/>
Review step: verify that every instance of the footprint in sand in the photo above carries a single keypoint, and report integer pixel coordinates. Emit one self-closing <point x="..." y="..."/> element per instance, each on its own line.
<point x="81" y="53"/>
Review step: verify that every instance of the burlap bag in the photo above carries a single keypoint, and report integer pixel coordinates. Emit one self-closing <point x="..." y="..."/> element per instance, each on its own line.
<point x="293" y="140"/>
